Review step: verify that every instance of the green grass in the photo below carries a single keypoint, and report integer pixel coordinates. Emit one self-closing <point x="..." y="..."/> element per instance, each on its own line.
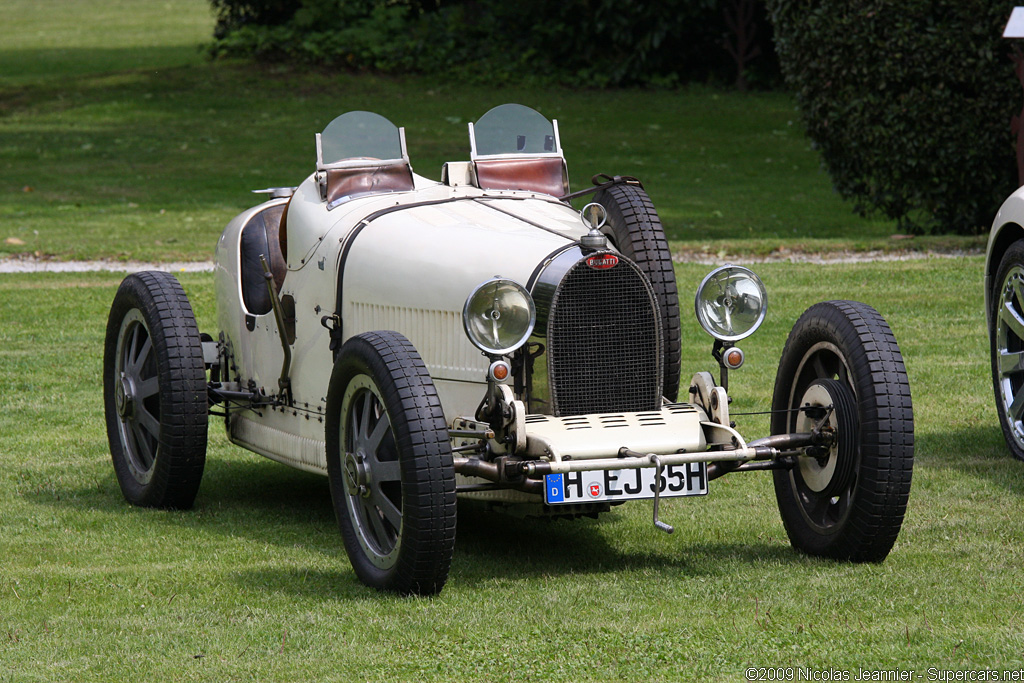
<point x="119" y="140"/>
<point x="253" y="584"/>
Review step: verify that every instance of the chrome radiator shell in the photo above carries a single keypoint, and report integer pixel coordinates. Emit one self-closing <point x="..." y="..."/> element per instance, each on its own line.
<point x="602" y="331"/>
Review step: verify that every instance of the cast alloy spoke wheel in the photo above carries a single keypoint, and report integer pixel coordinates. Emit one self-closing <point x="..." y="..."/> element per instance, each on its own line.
<point x="390" y="465"/>
<point x="842" y="370"/>
<point x="635" y="229"/>
<point x="373" y="480"/>
<point x="154" y="384"/>
<point x="1007" y="347"/>
<point x="136" y="396"/>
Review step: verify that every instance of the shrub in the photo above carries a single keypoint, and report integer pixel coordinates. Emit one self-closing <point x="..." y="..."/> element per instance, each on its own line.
<point x="909" y="103"/>
<point x="234" y="14"/>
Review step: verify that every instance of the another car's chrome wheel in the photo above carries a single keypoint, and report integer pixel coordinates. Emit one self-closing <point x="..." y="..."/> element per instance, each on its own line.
<point x="390" y="465"/>
<point x="1007" y="339"/>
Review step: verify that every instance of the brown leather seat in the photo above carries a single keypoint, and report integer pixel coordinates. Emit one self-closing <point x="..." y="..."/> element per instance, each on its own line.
<point x="542" y="174"/>
<point x="352" y="182"/>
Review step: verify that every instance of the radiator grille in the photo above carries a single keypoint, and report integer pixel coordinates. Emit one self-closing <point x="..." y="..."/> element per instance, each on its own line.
<point x="604" y="342"/>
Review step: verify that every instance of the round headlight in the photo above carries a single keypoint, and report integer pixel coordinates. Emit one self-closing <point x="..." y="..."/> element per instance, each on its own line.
<point x="499" y="316"/>
<point x="731" y="303"/>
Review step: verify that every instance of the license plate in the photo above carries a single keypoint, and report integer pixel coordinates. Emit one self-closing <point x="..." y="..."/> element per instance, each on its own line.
<point x="689" y="479"/>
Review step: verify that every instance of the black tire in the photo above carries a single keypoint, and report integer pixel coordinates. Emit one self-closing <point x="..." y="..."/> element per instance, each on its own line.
<point x="848" y="345"/>
<point x="390" y="465"/>
<point x="1006" y="346"/>
<point x="154" y="392"/>
<point x="635" y="228"/>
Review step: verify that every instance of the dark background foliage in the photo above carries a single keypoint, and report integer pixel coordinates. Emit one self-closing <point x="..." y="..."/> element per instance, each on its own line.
<point x="909" y="103"/>
<point x="234" y="14"/>
<point x="596" y="42"/>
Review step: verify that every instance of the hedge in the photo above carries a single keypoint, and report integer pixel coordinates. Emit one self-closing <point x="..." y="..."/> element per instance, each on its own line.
<point x="909" y="103"/>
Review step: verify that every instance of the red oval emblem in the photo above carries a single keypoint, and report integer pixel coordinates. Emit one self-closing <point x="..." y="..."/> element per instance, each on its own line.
<point x="603" y="261"/>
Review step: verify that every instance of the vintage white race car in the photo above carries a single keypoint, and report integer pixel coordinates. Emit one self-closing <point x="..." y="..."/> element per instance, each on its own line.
<point x="420" y="341"/>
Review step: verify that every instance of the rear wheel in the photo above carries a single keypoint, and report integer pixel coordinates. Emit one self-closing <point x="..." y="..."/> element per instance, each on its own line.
<point x="636" y="230"/>
<point x="154" y="390"/>
<point x="390" y="465"/>
<point x="841" y="364"/>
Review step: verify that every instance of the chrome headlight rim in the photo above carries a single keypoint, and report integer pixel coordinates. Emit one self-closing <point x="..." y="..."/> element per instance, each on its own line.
<point x="511" y="287"/>
<point x="713" y="279"/>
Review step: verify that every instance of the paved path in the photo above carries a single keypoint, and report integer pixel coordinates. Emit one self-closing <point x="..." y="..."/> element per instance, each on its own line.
<point x="826" y="257"/>
<point x="32" y="265"/>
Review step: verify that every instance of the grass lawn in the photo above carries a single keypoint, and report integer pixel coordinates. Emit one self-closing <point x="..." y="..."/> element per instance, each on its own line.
<point x="253" y="584"/>
<point x="118" y="140"/>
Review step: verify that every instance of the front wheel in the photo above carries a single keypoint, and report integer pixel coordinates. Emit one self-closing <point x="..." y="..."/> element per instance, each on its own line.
<point x="841" y="369"/>
<point x="390" y="465"/>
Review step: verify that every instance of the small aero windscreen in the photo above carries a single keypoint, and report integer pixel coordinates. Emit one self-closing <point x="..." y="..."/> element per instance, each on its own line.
<point x="360" y="135"/>
<point x="514" y="129"/>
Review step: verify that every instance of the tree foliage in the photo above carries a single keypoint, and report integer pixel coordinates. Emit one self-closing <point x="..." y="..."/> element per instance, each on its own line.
<point x="234" y="14"/>
<point x="596" y="42"/>
<point x="909" y="103"/>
